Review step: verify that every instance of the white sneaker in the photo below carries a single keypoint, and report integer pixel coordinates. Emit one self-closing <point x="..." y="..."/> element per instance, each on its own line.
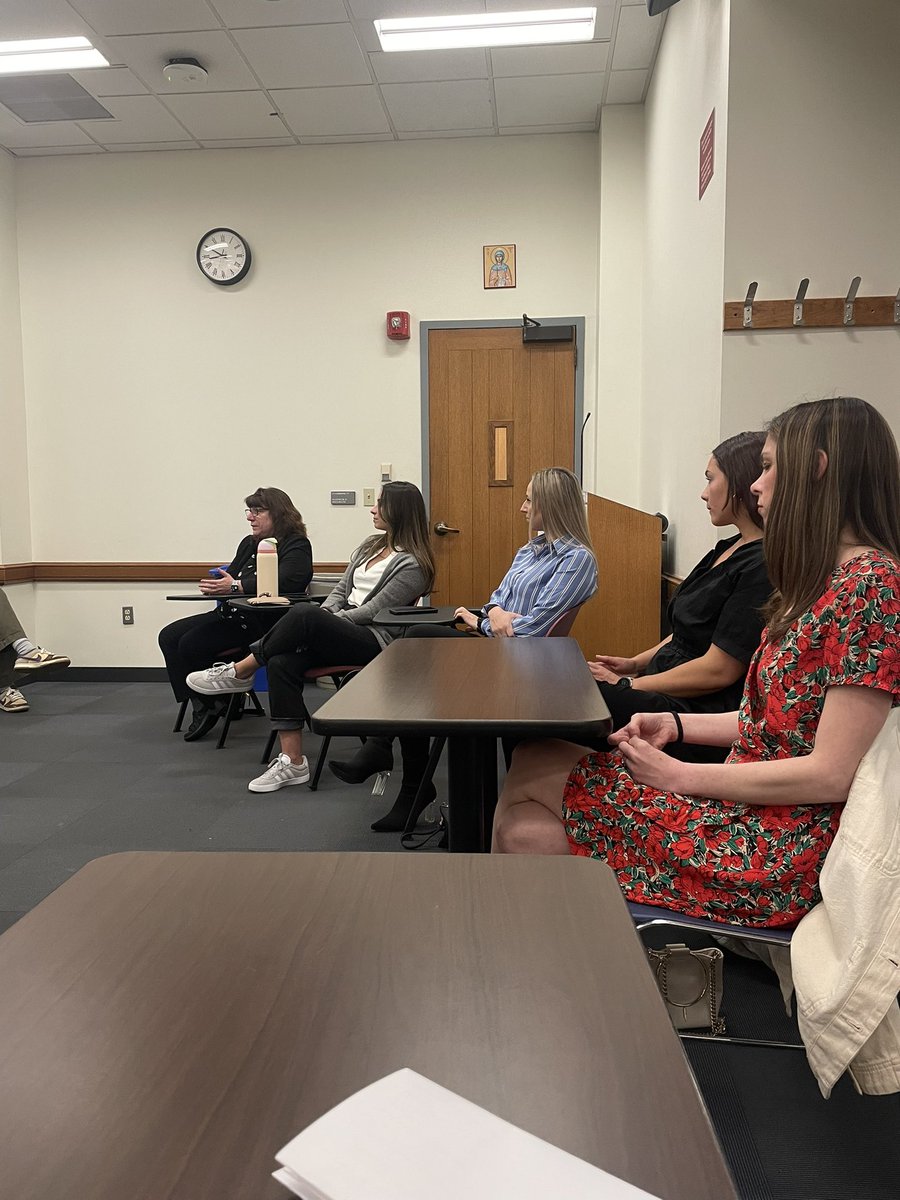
<point x="218" y="678"/>
<point x="281" y="772"/>
<point x="39" y="658"/>
<point x="12" y="701"/>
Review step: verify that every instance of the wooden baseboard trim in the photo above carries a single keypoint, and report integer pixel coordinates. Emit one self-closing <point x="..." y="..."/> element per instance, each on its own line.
<point x="119" y="572"/>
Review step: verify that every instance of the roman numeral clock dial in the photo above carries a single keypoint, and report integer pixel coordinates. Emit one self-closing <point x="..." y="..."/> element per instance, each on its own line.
<point x="223" y="256"/>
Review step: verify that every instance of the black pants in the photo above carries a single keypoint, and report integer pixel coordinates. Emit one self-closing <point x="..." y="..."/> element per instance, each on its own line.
<point x="306" y="637"/>
<point x="624" y="703"/>
<point x="196" y="642"/>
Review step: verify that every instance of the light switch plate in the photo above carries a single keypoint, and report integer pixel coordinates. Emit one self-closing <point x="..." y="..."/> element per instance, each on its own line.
<point x="369" y="496"/>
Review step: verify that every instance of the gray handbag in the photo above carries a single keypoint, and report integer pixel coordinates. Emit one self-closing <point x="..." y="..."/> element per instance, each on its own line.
<point x="691" y="985"/>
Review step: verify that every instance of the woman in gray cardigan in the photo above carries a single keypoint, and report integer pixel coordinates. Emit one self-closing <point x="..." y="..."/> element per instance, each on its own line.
<point x="394" y="567"/>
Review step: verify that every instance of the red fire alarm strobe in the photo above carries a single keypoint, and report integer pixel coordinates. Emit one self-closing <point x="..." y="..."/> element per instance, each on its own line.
<point x="398" y="326"/>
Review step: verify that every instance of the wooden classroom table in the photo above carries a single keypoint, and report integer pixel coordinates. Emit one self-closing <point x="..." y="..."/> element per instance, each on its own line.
<point x="471" y="691"/>
<point x="168" y="1021"/>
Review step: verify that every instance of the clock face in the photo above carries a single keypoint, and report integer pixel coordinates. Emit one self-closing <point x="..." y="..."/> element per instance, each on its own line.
<point x="223" y="256"/>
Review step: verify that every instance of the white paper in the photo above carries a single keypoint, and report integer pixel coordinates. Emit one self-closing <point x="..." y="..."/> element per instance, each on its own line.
<point x="407" y="1138"/>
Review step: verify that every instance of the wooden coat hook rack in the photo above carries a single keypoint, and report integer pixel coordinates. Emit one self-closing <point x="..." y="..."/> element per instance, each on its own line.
<point x="834" y="312"/>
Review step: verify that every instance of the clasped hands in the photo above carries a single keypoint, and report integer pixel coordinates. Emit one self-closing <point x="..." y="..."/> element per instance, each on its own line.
<point x="500" y="620"/>
<point x="641" y="743"/>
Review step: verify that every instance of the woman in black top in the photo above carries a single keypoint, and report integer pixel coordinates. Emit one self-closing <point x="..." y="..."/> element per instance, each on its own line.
<point x="715" y="615"/>
<point x="198" y="641"/>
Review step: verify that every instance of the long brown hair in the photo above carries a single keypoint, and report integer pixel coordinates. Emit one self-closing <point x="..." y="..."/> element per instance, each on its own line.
<point x="403" y="512"/>
<point x="738" y="459"/>
<point x="858" y="491"/>
<point x="557" y="497"/>
<point x="286" y="520"/>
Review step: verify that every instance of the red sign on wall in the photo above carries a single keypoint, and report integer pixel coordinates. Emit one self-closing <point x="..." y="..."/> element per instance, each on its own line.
<point x="707" y="153"/>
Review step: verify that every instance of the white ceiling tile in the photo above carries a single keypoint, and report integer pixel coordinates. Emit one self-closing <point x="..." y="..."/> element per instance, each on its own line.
<point x="353" y="137"/>
<point x="370" y="10"/>
<point x="518" y="130"/>
<point x="636" y="39"/>
<point x="237" y="143"/>
<point x="252" y="14"/>
<point x="138" y="119"/>
<point x="549" y="60"/>
<point x="44" y="151"/>
<point x="626" y="87"/>
<point x="549" y="99"/>
<point x="147" y="54"/>
<point x="317" y="112"/>
<point x="435" y="106"/>
<point x="228" y="114"/>
<point x="110" y="81"/>
<point x="145" y="16"/>
<point x="15" y="134"/>
<point x="435" y="65"/>
<point x="20" y="19"/>
<point x="305" y="56"/>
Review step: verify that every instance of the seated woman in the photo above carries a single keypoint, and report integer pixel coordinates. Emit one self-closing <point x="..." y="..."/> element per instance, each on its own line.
<point x="715" y="616"/>
<point x="553" y="572"/>
<point x="744" y="841"/>
<point x="394" y="567"/>
<point x="197" y="641"/>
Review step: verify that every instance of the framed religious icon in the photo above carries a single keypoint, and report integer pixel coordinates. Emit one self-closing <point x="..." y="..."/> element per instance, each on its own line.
<point x="499" y="266"/>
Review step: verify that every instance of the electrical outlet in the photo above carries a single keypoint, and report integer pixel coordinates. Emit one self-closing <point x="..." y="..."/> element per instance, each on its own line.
<point x="369" y="496"/>
<point x="128" y="615"/>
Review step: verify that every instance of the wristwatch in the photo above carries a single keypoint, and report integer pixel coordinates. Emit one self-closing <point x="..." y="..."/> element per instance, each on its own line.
<point x="624" y="682"/>
<point x="234" y="588"/>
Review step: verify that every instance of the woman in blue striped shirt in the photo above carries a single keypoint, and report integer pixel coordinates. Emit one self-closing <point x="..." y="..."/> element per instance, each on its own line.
<point x="553" y="572"/>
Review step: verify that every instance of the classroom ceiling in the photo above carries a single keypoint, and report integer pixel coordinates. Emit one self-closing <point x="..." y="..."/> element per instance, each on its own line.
<point x="299" y="72"/>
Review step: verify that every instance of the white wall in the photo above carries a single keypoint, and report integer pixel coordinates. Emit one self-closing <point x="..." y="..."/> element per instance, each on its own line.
<point x="15" y="527"/>
<point x="813" y="181"/>
<point x="620" y="283"/>
<point x="684" y="257"/>
<point x="156" y="401"/>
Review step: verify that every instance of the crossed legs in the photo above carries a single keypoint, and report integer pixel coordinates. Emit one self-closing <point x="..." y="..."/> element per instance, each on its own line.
<point x="528" y="819"/>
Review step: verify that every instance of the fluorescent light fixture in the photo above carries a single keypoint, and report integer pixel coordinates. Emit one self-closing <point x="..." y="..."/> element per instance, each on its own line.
<point x="48" y="54"/>
<point x="493" y="29"/>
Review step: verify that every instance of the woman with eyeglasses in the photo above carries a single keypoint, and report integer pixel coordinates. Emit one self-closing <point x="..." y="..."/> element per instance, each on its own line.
<point x="197" y="641"/>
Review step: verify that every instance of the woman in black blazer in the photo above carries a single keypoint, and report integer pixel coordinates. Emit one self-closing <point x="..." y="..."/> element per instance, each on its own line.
<point x="198" y="641"/>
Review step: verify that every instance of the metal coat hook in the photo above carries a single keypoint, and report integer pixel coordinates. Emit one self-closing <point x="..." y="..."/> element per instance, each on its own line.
<point x="748" y="305"/>
<point x="850" y="299"/>
<point x="798" y="301"/>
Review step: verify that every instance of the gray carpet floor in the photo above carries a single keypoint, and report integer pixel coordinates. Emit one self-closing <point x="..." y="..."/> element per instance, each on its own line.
<point x="94" y="768"/>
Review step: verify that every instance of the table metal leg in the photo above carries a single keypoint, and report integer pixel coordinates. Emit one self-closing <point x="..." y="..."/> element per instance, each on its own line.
<point x="472" y="771"/>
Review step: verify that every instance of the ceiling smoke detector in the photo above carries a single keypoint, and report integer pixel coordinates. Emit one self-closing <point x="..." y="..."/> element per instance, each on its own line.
<point x="186" y="72"/>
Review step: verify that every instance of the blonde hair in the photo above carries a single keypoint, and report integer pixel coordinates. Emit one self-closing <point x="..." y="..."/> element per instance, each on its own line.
<point x="556" y="494"/>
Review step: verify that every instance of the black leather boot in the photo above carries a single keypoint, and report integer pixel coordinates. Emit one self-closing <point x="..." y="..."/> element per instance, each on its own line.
<point x="414" y="753"/>
<point x="374" y="755"/>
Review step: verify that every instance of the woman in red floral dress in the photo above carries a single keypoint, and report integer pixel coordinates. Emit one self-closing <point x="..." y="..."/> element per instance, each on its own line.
<point x="747" y="845"/>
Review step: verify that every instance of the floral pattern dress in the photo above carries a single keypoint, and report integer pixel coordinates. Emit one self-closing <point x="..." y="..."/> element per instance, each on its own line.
<point x="743" y="863"/>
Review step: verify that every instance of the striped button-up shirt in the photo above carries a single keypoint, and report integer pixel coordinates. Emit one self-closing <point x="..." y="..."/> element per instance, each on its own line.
<point x="545" y="579"/>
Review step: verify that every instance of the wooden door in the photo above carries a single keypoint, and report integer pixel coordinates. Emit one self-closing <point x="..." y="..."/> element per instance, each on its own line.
<point x="498" y="411"/>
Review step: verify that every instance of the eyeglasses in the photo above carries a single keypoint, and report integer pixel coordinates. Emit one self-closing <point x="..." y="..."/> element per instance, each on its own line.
<point x="254" y="512"/>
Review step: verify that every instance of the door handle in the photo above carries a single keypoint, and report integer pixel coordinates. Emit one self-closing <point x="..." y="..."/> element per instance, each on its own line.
<point x="441" y="529"/>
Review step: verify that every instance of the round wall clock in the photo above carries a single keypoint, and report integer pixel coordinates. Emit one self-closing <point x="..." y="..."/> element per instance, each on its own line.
<point x="223" y="256"/>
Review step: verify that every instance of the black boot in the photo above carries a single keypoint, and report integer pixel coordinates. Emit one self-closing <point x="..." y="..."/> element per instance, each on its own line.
<point x="373" y="756"/>
<point x="414" y="752"/>
<point x="206" y="716"/>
